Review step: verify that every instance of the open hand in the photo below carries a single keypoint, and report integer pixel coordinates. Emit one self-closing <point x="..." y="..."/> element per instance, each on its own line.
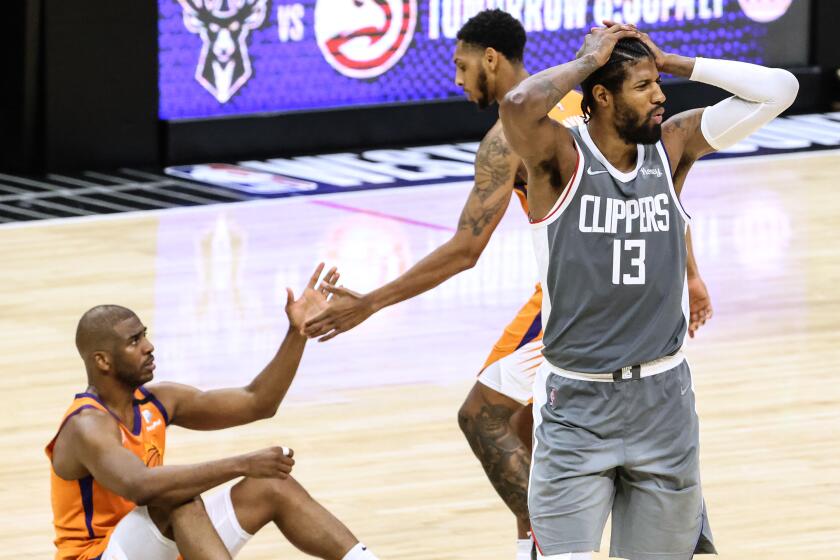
<point x="600" y="42"/>
<point x="312" y="301"/>
<point x="699" y="304"/>
<point x="345" y="310"/>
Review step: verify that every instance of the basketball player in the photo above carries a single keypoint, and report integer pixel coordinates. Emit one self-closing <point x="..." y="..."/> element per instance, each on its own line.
<point x="112" y="499"/>
<point x="615" y="424"/>
<point x="494" y="418"/>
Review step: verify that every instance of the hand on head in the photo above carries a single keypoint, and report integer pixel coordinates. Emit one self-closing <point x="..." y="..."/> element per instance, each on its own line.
<point x="658" y="55"/>
<point x="600" y="41"/>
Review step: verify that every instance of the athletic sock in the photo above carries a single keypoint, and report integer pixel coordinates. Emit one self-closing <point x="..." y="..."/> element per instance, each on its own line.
<point x="360" y="552"/>
<point x="523" y="549"/>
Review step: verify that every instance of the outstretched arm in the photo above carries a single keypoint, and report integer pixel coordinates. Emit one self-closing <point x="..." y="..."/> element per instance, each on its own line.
<point x="495" y="170"/>
<point x="213" y="410"/>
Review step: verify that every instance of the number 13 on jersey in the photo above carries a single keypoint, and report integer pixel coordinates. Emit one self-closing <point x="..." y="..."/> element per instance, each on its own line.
<point x="636" y="253"/>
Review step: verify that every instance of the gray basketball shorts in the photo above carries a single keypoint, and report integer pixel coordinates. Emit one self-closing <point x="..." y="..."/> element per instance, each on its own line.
<point x="629" y="447"/>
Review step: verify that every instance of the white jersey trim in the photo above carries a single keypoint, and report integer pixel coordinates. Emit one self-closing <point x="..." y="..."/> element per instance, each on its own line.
<point x="647" y="369"/>
<point x="620" y="175"/>
<point x="663" y="155"/>
<point x="568" y="194"/>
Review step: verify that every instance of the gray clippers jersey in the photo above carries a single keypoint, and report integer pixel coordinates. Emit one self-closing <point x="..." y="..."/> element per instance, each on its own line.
<point x="612" y="260"/>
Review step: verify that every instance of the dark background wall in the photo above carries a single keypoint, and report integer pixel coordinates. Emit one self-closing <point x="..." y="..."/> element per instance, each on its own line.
<point x="825" y="51"/>
<point x="83" y="94"/>
<point x="20" y="94"/>
<point x="100" y="83"/>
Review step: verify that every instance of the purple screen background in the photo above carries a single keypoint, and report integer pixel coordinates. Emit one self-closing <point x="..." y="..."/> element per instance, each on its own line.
<point x="294" y="76"/>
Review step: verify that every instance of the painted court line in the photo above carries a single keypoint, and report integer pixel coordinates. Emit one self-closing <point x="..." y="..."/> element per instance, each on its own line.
<point x="384" y="215"/>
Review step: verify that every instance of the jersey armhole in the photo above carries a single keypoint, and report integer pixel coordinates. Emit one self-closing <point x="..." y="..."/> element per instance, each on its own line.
<point x="148" y="396"/>
<point x="66" y="419"/>
<point x="566" y="195"/>
<point x="666" y="161"/>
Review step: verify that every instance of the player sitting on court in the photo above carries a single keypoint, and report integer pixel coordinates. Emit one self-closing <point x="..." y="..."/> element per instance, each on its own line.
<point x="113" y="499"/>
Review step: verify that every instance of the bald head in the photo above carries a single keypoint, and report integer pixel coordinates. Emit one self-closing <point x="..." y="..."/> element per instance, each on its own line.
<point x="96" y="329"/>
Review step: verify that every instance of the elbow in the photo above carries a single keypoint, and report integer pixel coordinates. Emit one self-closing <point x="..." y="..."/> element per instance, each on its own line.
<point x="141" y="494"/>
<point x="469" y="259"/>
<point x="514" y="102"/>
<point x="266" y="412"/>
<point x="466" y="262"/>
<point x="788" y="88"/>
<point x="145" y="490"/>
<point x="464" y="254"/>
<point x="792" y="88"/>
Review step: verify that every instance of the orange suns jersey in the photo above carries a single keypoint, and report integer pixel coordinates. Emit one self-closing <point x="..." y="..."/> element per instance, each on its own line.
<point x="85" y="513"/>
<point x="569" y="113"/>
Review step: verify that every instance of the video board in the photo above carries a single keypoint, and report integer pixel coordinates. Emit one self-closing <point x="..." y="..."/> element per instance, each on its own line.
<point x="236" y="57"/>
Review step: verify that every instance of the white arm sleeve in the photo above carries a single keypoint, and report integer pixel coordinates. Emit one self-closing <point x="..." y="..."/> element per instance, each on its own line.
<point x="761" y="94"/>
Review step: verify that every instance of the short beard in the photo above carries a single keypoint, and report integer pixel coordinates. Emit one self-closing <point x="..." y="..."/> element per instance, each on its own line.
<point x="628" y="127"/>
<point x="484" y="100"/>
<point x="127" y="377"/>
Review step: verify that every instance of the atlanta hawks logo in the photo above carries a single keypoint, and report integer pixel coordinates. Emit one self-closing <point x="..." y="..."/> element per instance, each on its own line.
<point x="223" y="25"/>
<point x="364" y="38"/>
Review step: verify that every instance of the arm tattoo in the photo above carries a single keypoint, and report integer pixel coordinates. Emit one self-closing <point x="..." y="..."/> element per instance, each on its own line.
<point x="492" y="172"/>
<point x="553" y="95"/>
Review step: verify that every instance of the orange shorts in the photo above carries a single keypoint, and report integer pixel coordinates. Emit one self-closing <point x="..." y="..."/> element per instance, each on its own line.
<point x="513" y="362"/>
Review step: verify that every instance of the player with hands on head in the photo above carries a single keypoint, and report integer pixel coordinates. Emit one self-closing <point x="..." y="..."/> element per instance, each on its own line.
<point x="112" y="497"/>
<point x="615" y="427"/>
<point x="495" y="417"/>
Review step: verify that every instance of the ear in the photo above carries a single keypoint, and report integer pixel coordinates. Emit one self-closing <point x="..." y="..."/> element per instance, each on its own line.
<point x="491" y="58"/>
<point x="102" y="360"/>
<point x="601" y="95"/>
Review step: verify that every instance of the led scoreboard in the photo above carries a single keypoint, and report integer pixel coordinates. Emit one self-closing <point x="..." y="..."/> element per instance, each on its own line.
<point x="238" y="57"/>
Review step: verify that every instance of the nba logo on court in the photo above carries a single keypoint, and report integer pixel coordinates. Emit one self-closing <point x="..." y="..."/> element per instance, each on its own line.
<point x="223" y="25"/>
<point x="364" y="38"/>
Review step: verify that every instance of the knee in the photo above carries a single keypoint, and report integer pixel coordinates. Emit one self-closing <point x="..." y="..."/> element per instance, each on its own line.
<point x="164" y="517"/>
<point x="188" y="509"/>
<point x="286" y="492"/>
<point x="522" y="422"/>
<point x="470" y="408"/>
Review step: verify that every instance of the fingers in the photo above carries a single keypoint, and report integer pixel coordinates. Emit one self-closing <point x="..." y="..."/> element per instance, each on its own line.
<point x="318" y="325"/>
<point x="331" y="335"/>
<point x="610" y="23"/>
<point x="283" y="459"/>
<point x="337" y="290"/>
<point x="614" y="27"/>
<point x="290" y="296"/>
<point x="317" y="274"/>
<point x="698" y="319"/>
<point x="329" y="280"/>
<point x="625" y="33"/>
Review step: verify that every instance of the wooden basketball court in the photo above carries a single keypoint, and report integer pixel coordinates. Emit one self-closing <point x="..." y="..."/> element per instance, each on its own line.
<point x="371" y="415"/>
